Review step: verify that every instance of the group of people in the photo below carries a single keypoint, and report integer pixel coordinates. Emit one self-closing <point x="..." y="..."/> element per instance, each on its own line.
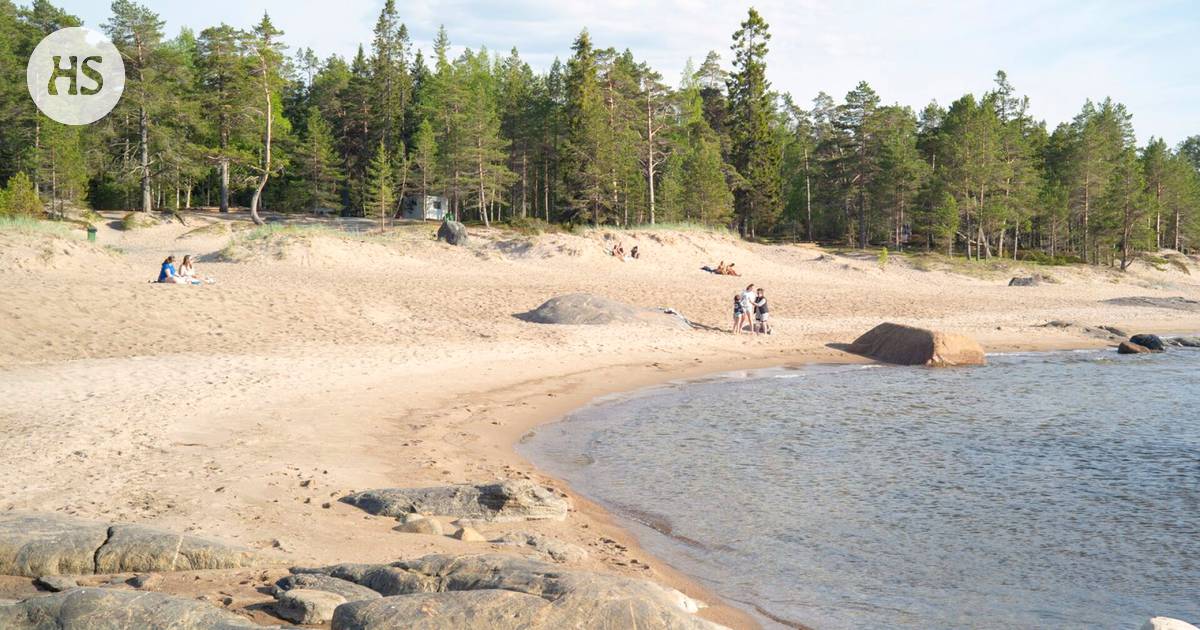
<point x="619" y="252"/>
<point x="750" y="309"/>
<point x="726" y="270"/>
<point x="184" y="274"/>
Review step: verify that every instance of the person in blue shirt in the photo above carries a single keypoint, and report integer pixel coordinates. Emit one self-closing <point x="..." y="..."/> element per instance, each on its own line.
<point x="167" y="273"/>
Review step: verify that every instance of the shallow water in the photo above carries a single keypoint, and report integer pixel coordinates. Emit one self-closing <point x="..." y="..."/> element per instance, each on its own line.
<point x="1053" y="490"/>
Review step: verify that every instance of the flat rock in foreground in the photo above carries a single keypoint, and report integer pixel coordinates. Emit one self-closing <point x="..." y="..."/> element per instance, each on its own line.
<point x="444" y="591"/>
<point x="583" y="309"/>
<point x="109" y="609"/>
<point x="34" y="545"/>
<point x="907" y="345"/>
<point x="506" y="501"/>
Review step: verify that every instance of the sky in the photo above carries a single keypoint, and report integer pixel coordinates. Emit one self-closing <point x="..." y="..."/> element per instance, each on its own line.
<point x="1145" y="54"/>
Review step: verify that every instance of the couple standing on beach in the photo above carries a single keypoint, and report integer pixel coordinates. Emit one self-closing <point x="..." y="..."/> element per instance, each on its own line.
<point x="750" y="307"/>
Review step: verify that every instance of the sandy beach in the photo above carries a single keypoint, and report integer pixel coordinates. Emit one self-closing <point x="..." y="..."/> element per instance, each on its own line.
<point x="321" y="363"/>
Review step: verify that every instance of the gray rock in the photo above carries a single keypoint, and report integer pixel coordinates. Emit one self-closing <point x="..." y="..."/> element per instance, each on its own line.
<point x="577" y="599"/>
<point x="108" y="609"/>
<point x="1153" y="342"/>
<point x="453" y="233"/>
<point x="33" y="545"/>
<point x="1171" y="303"/>
<point x="556" y="550"/>
<point x="350" y="591"/>
<point x="494" y="609"/>
<point x="56" y="583"/>
<point x="133" y="548"/>
<point x="417" y="524"/>
<point x="1031" y="281"/>
<point x="308" y="606"/>
<point x="1186" y="342"/>
<point x="583" y="309"/>
<point x="517" y="500"/>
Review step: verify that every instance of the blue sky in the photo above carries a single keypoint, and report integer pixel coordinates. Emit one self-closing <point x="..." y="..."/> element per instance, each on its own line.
<point x="1059" y="52"/>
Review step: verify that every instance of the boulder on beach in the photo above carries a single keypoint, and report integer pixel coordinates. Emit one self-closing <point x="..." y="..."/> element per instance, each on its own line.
<point x="111" y="609"/>
<point x="907" y="345"/>
<point x="35" y="545"/>
<point x="1031" y="281"/>
<point x="349" y="591"/>
<point x="1152" y="342"/>
<point x="464" y="587"/>
<point x="1173" y="303"/>
<point x="1128" y="347"/>
<point x="452" y="232"/>
<point x="1185" y="342"/>
<point x="308" y="607"/>
<point x="513" y="500"/>
<point x="584" y="309"/>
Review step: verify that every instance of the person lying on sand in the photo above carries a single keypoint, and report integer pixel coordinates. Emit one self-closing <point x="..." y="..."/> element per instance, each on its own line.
<point x="762" y="314"/>
<point x="722" y="269"/>
<point x="619" y="251"/>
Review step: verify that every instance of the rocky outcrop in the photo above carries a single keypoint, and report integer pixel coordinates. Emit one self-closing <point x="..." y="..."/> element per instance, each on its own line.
<point x="56" y="583"/>
<point x="462" y="587"/>
<point x="514" y="500"/>
<point x="350" y="591"/>
<point x="583" y="309"/>
<point x="452" y="232"/>
<point x="35" y="545"/>
<point x="1185" y="342"/>
<point x="1166" y="623"/>
<point x="1152" y="342"/>
<point x="1172" y="303"/>
<point x="308" y="607"/>
<point x="1031" y="281"/>
<point x="493" y="609"/>
<point x="906" y="345"/>
<point x="109" y="609"/>
<point x="555" y="550"/>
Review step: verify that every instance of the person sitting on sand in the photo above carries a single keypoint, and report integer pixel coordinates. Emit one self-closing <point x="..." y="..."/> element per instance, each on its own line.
<point x="187" y="271"/>
<point x="167" y="274"/>
<point x="721" y="269"/>
<point x="762" y="314"/>
<point x="619" y="251"/>
<point x="730" y="271"/>
<point x="634" y="254"/>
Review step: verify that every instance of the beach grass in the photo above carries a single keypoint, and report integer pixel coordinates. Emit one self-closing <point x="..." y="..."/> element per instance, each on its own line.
<point x="32" y="226"/>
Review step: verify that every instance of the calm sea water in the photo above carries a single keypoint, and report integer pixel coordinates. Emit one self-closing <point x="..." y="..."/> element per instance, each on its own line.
<point x="1042" y="491"/>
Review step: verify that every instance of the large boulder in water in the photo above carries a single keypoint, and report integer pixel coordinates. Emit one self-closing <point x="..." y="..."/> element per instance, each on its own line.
<point x="1152" y="342"/>
<point x="452" y="232"/>
<point x="907" y="345"/>
<point x="1128" y="347"/>
<point x="506" y="501"/>
<point x="111" y="609"/>
<point x="501" y="591"/>
<point x="583" y="309"/>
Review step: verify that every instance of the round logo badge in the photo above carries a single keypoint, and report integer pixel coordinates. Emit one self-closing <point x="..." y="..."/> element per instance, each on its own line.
<point x="76" y="76"/>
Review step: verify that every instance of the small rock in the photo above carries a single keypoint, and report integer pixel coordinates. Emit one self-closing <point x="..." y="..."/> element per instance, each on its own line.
<point x="467" y="534"/>
<point x="308" y="606"/>
<point x="1031" y="281"/>
<point x="420" y="525"/>
<point x="1152" y="342"/>
<point x="56" y="583"/>
<point x="145" y="580"/>
<point x="316" y="582"/>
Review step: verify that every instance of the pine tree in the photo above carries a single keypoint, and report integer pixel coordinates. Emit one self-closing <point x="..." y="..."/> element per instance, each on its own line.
<point x="424" y="159"/>
<point x="585" y="173"/>
<point x="19" y="198"/>
<point x="379" y="197"/>
<point x="318" y="164"/>
<point x="224" y="90"/>
<point x="264" y="49"/>
<point x="754" y="150"/>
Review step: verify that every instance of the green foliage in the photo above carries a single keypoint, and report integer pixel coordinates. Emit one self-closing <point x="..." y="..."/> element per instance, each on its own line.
<point x="19" y="198"/>
<point x="379" y="195"/>
<point x="883" y="258"/>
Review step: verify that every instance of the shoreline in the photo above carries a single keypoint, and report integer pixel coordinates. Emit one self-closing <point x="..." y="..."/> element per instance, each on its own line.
<point x="721" y="609"/>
